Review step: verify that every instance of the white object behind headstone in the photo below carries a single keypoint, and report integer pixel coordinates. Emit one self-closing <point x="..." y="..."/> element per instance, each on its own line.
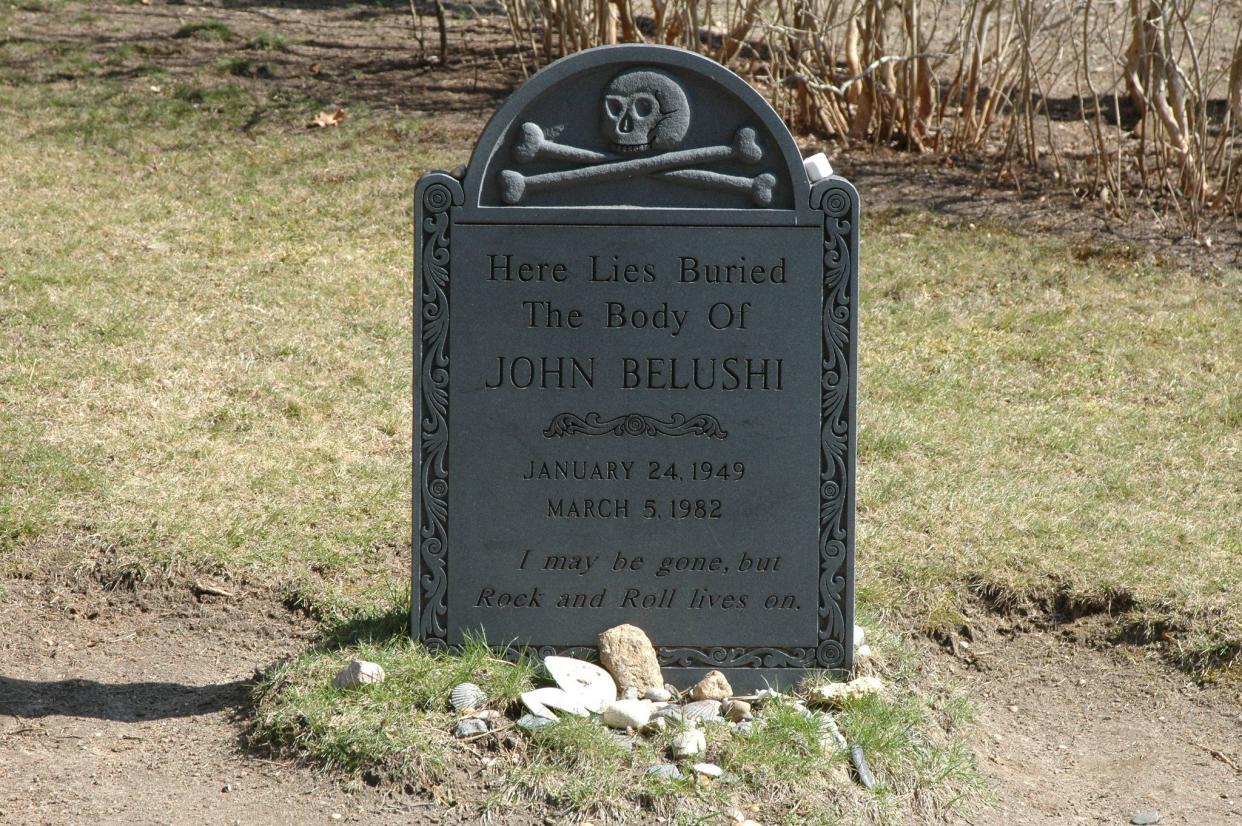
<point x="817" y="166"/>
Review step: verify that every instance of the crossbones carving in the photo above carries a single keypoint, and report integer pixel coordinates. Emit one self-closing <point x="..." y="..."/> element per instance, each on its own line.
<point x="644" y="110"/>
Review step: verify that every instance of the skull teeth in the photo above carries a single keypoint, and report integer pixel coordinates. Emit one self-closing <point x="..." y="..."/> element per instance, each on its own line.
<point x="630" y="149"/>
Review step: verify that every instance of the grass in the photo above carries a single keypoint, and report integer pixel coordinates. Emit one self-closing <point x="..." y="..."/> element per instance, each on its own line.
<point x="1041" y="426"/>
<point x="205" y="30"/>
<point x="205" y="342"/>
<point x="269" y="42"/>
<point x="399" y="732"/>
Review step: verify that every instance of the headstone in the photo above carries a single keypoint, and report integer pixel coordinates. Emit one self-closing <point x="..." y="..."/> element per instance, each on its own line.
<point x="635" y="377"/>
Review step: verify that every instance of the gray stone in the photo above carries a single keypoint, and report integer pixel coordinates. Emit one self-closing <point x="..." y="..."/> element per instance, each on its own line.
<point x="470" y="727"/>
<point x="658" y="695"/>
<point x="1145" y="818"/>
<point x="533" y="722"/>
<point x="708" y="769"/>
<point x="358" y="673"/>
<point x="744" y="728"/>
<point x="859" y="759"/>
<point x="664" y="771"/>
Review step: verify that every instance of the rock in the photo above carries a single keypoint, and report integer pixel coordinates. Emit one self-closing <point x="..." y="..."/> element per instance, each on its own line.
<point x="467" y="696"/>
<point x="489" y="714"/>
<point x="702" y="711"/>
<point x="714" y="686"/>
<point x="657" y="724"/>
<point x="664" y="771"/>
<point x="623" y="740"/>
<point x="470" y="727"/>
<point x="626" y="714"/>
<point x="708" y="769"/>
<point x="735" y="711"/>
<point x="1145" y="818"/>
<point x="533" y="722"/>
<point x="541" y="700"/>
<point x="862" y="655"/>
<point x="689" y="743"/>
<point x="830" y="733"/>
<point x="671" y="713"/>
<point x="630" y="693"/>
<point x="763" y="695"/>
<point x="860" y="635"/>
<point x="590" y="684"/>
<point x="658" y="695"/>
<point x="860" y="766"/>
<point x="837" y="693"/>
<point x="817" y="167"/>
<point x="744" y="728"/>
<point x="630" y="657"/>
<point x="358" y="672"/>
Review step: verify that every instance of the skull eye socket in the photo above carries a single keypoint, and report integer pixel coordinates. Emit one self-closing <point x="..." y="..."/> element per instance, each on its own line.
<point x="644" y="106"/>
<point x="614" y="106"/>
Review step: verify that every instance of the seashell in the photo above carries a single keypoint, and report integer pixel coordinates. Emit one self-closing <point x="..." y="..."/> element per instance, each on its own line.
<point x="592" y="685"/>
<point x="542" y="700"/>
<point x="466" y="696"/>
<point x="703" y="711"/>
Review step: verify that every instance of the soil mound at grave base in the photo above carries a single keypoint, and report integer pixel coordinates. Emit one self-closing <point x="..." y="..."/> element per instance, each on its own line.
<point x="148" y="701"/>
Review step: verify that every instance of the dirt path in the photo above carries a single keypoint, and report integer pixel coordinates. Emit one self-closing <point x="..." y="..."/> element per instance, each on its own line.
<point x="1078" y="734"/>
<point x="129" y="708"/>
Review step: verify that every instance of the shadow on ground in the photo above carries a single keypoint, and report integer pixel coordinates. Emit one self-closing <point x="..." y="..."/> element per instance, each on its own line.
<point x="121" y="702"/>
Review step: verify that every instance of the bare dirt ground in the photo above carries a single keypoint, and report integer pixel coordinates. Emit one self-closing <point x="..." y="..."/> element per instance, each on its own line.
<point x="130" y="707"/>
<point x="1072" y="732"/>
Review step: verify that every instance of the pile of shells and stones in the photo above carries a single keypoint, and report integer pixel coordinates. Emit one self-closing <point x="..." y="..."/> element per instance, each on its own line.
<point x="629" y="696"/>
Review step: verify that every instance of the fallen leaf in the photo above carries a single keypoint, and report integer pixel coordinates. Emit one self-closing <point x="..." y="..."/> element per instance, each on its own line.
<point x="313" y="68"/>
<point x="329" y="117"/>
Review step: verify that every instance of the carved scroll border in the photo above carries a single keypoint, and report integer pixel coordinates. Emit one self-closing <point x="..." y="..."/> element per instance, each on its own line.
<point x="434" y="198"/>
<point x="634" y="424"/>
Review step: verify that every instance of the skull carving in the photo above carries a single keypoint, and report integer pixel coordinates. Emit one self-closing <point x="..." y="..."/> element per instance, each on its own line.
<point x="643" y="110"/>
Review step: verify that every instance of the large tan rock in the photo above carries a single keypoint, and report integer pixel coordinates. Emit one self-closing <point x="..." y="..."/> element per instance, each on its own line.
<point x="713" y="686"/>
<point x="630" y="657"/>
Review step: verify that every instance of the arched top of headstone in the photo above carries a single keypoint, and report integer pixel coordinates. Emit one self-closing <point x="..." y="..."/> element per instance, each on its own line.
<point x="637" y="134"/>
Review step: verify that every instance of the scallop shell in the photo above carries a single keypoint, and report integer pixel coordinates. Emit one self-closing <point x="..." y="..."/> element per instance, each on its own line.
<point x="466" y="696"/>
<point x="703" y="711"/>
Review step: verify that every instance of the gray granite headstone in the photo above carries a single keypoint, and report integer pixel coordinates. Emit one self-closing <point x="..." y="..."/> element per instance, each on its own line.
<point x="635" y="377"/>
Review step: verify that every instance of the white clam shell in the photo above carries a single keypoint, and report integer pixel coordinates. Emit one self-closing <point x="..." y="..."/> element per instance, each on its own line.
<point x="592" y="685"/>
<point x="541" y="701"/>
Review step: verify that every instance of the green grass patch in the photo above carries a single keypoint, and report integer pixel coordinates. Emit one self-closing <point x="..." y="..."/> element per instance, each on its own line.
<point x="787" y="770"/>
<point x="205" y="30"/>
<point x="269" y="42"/>
<point x="245" y="67"/>
<point x="1046" y="426"/>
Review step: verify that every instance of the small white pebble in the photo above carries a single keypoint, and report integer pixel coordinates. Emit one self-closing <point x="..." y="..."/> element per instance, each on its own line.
<point x="817" y="167"/>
